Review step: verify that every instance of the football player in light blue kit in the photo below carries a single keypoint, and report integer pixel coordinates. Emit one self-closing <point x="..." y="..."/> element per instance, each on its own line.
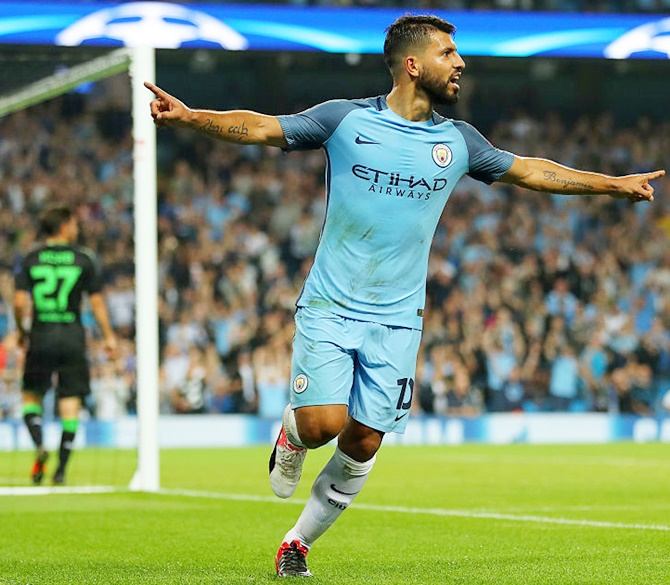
<point x="391" y="164"/>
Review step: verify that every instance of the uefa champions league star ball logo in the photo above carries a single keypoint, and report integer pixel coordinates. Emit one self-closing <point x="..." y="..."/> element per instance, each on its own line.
<point x="653" y="37"/>
<point x="158" y="24"/>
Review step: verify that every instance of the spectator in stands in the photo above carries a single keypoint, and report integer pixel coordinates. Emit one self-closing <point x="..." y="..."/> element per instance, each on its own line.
<point x="631" y="389"/>
<point x="564" y="379"/>
<point x="190" y="394"/>
<point x="464" y="399"/>
<point x="593" y="373"/>
<point x="111" y="392"/>
<point x="272" y="370"/>
<point x="561" y="302"/>
<point x="504" y="388"/>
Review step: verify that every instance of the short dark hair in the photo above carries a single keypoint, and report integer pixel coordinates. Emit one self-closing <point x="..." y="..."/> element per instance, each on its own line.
<point x="53" y="217"/>
<point x="411" y="31"/>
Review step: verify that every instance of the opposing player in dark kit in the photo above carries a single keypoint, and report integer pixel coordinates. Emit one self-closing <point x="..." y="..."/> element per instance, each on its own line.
<point x="56" y="275"/>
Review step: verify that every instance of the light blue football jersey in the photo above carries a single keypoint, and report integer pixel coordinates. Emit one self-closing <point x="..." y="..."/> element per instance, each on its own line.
<point x="388" y="180"/>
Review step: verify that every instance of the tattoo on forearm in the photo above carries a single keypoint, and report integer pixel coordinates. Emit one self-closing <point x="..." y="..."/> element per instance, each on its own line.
<point x="210" y="126"/>
<point x="241" y="130"/>
<point x="565" y="183"/>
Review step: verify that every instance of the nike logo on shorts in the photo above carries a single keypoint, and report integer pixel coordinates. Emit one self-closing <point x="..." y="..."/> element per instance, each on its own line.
<point x="398" y="417"/>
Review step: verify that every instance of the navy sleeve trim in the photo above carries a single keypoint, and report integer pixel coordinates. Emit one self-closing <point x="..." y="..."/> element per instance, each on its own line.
<point x="487" y="163"/>
<point x="309" y="130"/>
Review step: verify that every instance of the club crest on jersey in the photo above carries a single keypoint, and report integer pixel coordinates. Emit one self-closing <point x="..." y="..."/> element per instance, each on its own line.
<point x="300" y="383"/>
<point x="441" y="155"/>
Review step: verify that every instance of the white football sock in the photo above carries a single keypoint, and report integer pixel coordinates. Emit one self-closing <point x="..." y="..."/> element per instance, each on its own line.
<point x="334" y="489"/>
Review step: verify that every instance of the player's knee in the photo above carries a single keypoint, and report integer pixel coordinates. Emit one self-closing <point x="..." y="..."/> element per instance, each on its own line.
<point x="360" y="442"/>
<point x="317" y="425"/>
<point x="314" y="436"/>
<point x="360" y="450"/>
<point x="317" y="431"/>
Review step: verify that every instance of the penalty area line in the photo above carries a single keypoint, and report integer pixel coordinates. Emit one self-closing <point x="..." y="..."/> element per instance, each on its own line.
<point x="426" y="511"/>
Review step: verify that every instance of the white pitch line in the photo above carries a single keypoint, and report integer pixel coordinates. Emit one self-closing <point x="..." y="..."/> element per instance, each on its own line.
<point x="46" y="491"/>
<point x="427" y="511"/>
<point x="537" y="460"/>
<point x="40" y="491"/>
<point x="596" y="508"/>
<point x="515" y="518"/>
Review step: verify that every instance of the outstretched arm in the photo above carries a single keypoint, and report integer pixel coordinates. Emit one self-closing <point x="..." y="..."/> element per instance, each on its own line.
<point x="240" y="126"/>
<point x="540" y="174"/>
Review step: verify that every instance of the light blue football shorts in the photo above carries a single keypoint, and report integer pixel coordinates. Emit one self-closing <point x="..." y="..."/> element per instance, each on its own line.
<point x="368" y="366"/>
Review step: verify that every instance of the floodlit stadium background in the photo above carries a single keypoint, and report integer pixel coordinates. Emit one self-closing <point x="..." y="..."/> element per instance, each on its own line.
<point x="569" y="296"/>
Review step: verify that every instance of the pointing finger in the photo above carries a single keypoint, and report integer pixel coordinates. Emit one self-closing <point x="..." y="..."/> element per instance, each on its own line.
<point x="157" y="90"/>
<point x="655" y="175"/>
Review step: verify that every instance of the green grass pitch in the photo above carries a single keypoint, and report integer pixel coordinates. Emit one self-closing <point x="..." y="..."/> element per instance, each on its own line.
<point x="475" y="514"/>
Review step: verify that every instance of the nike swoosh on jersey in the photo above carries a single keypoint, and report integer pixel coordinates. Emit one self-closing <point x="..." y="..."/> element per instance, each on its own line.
<point x="332" y="487"/>
<point x="360" y="140"/>
<point x="397" y="418"/>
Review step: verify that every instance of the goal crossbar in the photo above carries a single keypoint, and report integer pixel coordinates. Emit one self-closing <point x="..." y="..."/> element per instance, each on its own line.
<point x="61" y="82"/>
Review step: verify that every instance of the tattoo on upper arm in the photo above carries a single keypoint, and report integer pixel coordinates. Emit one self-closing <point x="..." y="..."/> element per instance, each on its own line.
<point x="565" y="183"/>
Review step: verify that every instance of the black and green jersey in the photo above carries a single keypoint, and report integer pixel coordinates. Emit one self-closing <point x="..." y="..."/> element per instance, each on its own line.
<point x="57" y="276"/>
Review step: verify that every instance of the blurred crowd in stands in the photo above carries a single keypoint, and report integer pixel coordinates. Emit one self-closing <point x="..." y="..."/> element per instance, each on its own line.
<point x="536" y="302"/>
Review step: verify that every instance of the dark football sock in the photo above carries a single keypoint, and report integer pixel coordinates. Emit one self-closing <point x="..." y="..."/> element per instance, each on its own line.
<point x="67" y="439"/>
<point x="32" y="415"/>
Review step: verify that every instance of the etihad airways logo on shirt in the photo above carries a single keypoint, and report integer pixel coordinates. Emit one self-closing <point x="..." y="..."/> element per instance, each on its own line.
<point x="392" y="183"/>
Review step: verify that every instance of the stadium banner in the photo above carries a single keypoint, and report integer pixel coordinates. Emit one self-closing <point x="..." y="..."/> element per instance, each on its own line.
<point x="206" y="431"/>
<point x="336" y="30"/>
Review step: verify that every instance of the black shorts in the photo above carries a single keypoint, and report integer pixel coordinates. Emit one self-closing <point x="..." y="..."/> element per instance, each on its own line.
<point x="57" y="358"/>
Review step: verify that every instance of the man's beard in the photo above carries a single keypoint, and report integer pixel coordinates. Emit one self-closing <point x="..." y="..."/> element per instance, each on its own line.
<point x="437" y="90"/>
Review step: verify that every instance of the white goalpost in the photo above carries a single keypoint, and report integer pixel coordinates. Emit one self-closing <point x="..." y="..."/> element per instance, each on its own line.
<point x="143" y="68"/>
<point x="140" y="62"/>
